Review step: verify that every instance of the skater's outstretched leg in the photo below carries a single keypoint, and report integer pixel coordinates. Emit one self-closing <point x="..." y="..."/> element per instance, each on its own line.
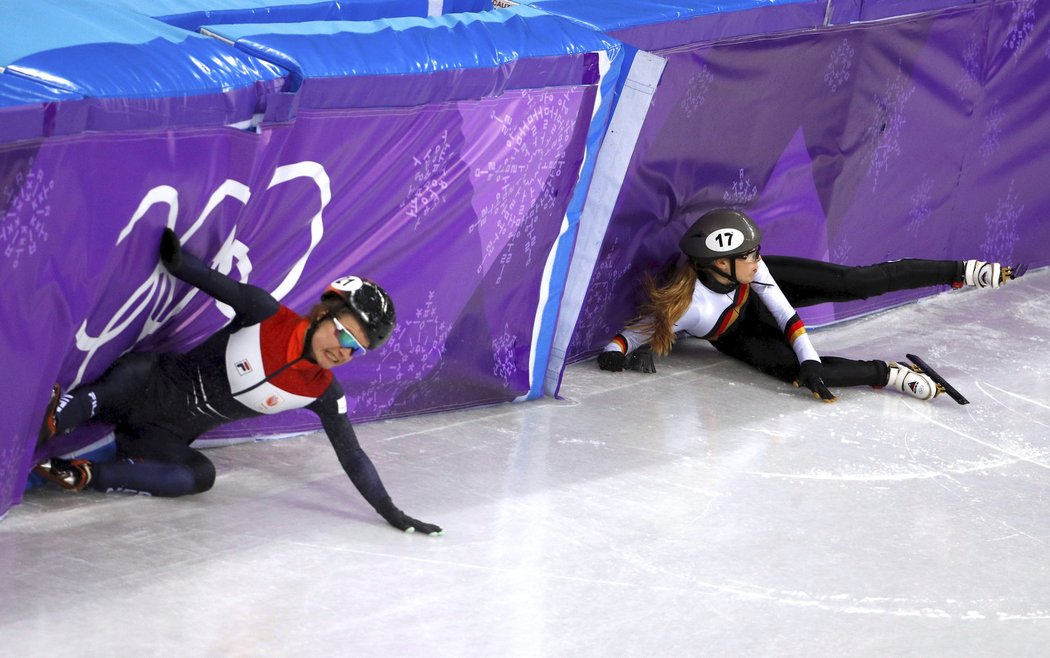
<point x="838" y="372"/>
<point x="806" y="282"/>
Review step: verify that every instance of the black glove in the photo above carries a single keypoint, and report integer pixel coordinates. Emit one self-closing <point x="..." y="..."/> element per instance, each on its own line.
<point x="402" y="521"/>
<point x="641" y="359"/>
<point x="613" y="361"/>
<point x="170" y="250"/>
<point x="809" y="376"/>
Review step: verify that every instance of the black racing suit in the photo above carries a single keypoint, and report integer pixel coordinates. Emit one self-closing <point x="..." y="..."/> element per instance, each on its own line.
<point x="757" y="340"/>
<point x="763" y="329"/>
<point x="160" y="403"/>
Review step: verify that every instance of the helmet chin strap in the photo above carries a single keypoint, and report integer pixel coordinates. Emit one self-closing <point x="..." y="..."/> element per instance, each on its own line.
<point x="709" y="270"/>
<point x="308" y="339"/>
<point x="714" y="278"/>
<point x="732" y="271"/>
<point x="731" y="274"/>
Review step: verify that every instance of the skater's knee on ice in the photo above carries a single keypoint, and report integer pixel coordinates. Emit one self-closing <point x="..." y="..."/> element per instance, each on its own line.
<point x="184" y="480"/>
<point x="203" y="476"/>
<point x="197" y="475"/>
<point x="191" y="476"/>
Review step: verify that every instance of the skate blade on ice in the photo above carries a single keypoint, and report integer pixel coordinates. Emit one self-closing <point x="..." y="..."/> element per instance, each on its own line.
<point x="942" y="383"/>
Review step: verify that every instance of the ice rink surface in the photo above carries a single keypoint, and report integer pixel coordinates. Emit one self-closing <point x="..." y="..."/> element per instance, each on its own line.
<point x="704" y="510"/>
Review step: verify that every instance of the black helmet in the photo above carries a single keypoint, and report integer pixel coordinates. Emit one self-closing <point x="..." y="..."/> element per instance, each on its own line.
<point x="721" y="233"/>
<point x="369" y="303"/>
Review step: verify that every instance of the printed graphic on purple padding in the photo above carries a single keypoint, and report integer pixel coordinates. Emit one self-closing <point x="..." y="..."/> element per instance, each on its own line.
<point x="290" y="210"/>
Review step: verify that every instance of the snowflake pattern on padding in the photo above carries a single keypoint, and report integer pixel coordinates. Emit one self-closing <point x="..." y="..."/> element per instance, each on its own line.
<point x="920" y="205"/>
<point x="696" y="91"/>
<point x="837" y="73"/>
<point x="28" y="201"/>
<point x="1001" y="228"/>
<point x="991" y="131"/>
<point x="527" y="177"/>
<point x="1022" y="23"/>
<point x="969" y="82"/>
<point x="742" y="192"/>
<point x="429" y="171"/>
<point x="503" y="365"/>
<point x="883" y="135"/>
<point x="416" y="347"/>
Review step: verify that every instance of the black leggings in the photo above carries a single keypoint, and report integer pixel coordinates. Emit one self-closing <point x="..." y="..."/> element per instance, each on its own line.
<point x="758" y="340"/>
<point x="155" y="466"/>
<point x="152" y="457"/>
<point x="808" y="282"/>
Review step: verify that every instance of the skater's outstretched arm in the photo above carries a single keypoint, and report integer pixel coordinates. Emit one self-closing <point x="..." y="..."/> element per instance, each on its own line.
<point x="630" y="349"/>
<point x="251" y="303"/>
<point x="810" y="373"/>
<point x="358" y="466"/>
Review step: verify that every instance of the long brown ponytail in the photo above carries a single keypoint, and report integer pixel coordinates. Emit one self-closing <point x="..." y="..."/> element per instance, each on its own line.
<point x="665" y="305"/>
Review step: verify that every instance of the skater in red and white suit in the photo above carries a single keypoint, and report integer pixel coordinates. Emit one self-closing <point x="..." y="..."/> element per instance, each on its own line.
<point x="744" y="303"/>
<point x="268" y="359"/>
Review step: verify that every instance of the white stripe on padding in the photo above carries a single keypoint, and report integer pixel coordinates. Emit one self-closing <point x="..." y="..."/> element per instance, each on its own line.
<point x="609" y="172"/>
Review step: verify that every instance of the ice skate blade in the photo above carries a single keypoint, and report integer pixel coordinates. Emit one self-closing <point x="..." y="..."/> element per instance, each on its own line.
<point x="941" y="382"/>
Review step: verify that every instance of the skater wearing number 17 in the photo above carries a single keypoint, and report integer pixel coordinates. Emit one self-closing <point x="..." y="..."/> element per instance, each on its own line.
<point x="268" y="359"/>
<point x="744" y="303"/>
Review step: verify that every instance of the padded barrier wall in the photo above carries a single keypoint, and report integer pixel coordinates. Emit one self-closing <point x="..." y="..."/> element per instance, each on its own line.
<point x="296" y="152"/>
<point x="857" y="142"/>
